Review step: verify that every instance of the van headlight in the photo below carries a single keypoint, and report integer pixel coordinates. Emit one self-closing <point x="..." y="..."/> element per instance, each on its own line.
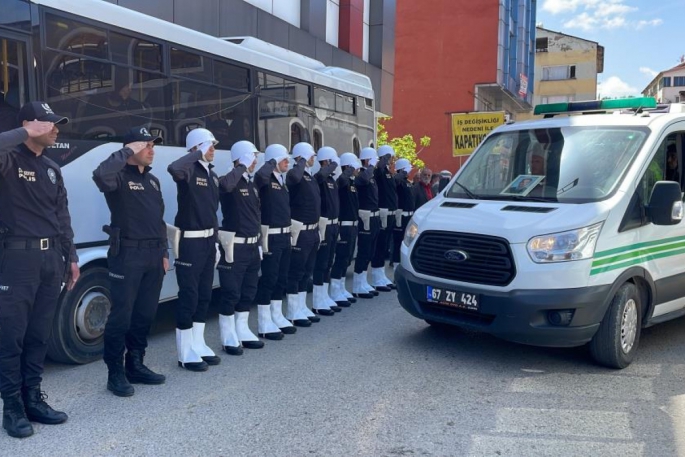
<point x="410" y="233"/>
<point x="565" y="246"/>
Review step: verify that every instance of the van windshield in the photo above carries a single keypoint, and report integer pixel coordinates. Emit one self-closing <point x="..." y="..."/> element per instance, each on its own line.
<point x="567" y="164"/>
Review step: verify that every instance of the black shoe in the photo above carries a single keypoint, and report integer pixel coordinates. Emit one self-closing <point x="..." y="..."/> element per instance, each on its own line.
<point x="382" y="288"/>
<point x="364" y="295"/>
<point x="211" y="360"/>
<point x="194" y="366"/>
<point x="374" y="292"/>
<point x="351" y="299"/>
<point x="233" y="350"/>
<point x="302" y="322"/>
<point x="37" y="410"/>
<point x="117" y="382"/>
<point x="335" y="308"/>
<point x="14" y="418"/>
<point x="137" y="372"/>
<point x="274" y="336"/>
<point x="252" y="344"/>
<point x="323" y="312"/>
<point x="288" y="330"/>
<point x="344" y="304"/>
<point x="392" y="286"/>
<point x="314" y="318"/>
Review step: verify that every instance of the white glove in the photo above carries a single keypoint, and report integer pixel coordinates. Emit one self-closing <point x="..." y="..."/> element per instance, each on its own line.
<point x="247" y="159"/>
<point x="373" y="161"/>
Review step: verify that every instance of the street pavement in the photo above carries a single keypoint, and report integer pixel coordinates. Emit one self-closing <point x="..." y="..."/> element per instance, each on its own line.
<point x="374" y="381"/>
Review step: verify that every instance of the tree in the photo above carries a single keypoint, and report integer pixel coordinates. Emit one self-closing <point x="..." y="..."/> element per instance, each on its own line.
<point x="405" y="146"/>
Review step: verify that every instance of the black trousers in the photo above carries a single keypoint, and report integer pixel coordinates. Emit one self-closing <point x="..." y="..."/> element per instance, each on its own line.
<point x="302" y="261"/>
<point x="195" y="277"/>
<point x="325" y="255"/>
<point x="30" y="282"/>
<point x="383" y="243"/>
<point x="397" y="237"/>
<point x="366" y="241"/>
<point x="344" y="249"/>
<point x="135" y="275"/>
<point x="239" y="279"/>
<point x="275" y="265"/>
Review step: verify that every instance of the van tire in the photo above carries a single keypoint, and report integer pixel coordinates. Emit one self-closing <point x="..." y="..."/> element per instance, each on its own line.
<point x="611" y="346"/>
<point x="69" y="343"/>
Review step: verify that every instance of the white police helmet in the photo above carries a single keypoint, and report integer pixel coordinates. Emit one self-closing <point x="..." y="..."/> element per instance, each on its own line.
<point x="385" y="150"/>
<point x="349" y="160"/>
<point x="198" y="136"/>
<point x="367" y="153"/>
<point x="304" y="150"/>
<point x="278" y="152"/>
<point x="241" y="148"/>
<point x="326" y="153"/>
<point x="403" y="164"/>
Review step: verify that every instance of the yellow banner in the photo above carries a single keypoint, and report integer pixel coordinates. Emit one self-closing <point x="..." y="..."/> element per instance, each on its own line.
<point x="469" y="129"/>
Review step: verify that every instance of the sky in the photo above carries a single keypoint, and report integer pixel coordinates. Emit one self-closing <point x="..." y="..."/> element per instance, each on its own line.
<point x="640" y="37"/>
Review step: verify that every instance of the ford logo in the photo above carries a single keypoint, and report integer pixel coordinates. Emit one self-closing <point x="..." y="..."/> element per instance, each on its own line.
<point x="456" y="255"/>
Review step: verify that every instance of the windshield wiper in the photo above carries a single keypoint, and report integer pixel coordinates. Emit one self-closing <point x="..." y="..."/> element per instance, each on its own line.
<point x="470" y="194"/>
<point x="568" y="186"/>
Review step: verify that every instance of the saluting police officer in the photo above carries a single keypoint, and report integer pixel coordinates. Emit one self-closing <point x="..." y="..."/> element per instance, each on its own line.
<point x="138" y="258"/>
<point x="387" y="202"/>
<point x="36" y="242"/>
<point x="369" y="222"/>
<point x="349" y="217"/>
<point x="194" y="243"/>
<point x="405" y="206"/>
<point x="275" y="240"/>
<point x="305" y="210"/>
<point x="238" y="237"/>
<point x="322" y="303"/>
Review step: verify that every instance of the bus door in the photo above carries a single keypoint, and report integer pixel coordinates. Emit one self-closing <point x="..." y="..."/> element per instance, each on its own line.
<point x="14" y="78"/>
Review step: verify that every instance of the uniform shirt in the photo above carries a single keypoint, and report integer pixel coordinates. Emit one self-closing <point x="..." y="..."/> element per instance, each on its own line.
<point x="134" y="198"/>
<point x="328" y="188"/>
<point x="198" y="193"/>
<point x="273" y="195"/>
<point x="367" y="190"/>
<point x="387" y="193"/>
<point x="349" y="201"/>
<point x="405" y="192"/>
<point x="305" y="197"/>
<point x="33" y="199"/>
<point x="239" y="203"/>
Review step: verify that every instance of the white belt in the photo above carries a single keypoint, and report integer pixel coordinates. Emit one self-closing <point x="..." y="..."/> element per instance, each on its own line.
<point x="198" y="233"/>
<point x="349" y="223"/>
<point x="407" y="213"/>
<point x="278" y="230"/>
<point x="332" y="221"/>
<point x="375" y="213"/>
<point x="310" y="226"/>
<point x="242" y="240"/>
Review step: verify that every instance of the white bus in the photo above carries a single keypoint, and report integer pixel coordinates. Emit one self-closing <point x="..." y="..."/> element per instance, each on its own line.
<point x="109" y="68"/>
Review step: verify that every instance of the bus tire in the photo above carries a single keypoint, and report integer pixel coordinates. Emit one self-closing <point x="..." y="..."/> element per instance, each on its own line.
<point x="615" y="343"/>
<point x="78" y="328"/>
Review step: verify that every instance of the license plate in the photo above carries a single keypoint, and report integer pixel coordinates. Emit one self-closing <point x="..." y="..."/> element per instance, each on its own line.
<point x="453" y="298"/>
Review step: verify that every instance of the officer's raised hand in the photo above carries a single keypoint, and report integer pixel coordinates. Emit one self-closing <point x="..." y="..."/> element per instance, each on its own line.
<point x="137" y="146"/>
<point x="373" y="161"/>
<point x="38" y="128"/>
<point x="249" y="160"/>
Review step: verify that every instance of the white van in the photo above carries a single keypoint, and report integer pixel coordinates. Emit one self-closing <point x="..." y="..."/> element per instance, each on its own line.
<point x="558" y="232"/>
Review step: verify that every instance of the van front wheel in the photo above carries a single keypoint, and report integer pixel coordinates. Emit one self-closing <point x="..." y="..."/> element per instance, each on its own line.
<point x="615" y="343"/>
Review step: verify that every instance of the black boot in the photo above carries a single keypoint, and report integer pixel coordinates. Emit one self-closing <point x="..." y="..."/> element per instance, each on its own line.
<point x="117" y="382"/>
<point x="137" y="372"/>
<point x="37" y="410"/>
<point x="14" y="418"/>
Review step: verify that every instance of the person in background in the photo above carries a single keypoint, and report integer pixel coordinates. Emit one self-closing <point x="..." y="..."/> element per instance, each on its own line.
<point x="445" y="177"/>
<point x="435" y="184"/>
<point x="422" y="190"/>
<point x="672" y="173"/>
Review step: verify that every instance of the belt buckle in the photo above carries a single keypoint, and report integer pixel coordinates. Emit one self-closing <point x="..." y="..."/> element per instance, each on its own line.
<point x="44" y="244"/>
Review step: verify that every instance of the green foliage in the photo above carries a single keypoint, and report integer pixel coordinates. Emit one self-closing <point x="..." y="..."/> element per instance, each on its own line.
<point x="405" y="147"/>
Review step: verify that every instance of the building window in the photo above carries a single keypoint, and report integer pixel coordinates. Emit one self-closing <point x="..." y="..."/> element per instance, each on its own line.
<point x="666" y="81"/>
<point x="557" y="99"/>
<point x="541" y="44"/>
<point x="559" y="72"/>
<point x="678" y="81"/>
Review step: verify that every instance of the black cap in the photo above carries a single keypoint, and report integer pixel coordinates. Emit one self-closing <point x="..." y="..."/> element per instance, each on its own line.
<point x="40" y="111"/>
<point x="140" y="134"/>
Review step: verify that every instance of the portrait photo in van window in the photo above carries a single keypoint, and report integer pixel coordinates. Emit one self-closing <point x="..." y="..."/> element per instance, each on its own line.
<point x="522" y="185"/>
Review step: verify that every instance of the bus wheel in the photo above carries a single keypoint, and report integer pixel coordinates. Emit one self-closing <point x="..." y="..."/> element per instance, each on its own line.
<point x="615" y="343"/>
<point x="79" y="324"/>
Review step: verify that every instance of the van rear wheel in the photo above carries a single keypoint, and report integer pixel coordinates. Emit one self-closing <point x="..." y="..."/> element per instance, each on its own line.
<point x="615" y="343"/>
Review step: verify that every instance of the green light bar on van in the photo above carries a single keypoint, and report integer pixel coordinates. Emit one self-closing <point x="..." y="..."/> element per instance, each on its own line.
<point x="596" y="105"/>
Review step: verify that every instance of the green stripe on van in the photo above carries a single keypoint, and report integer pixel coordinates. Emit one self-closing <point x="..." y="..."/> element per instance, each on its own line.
<point x="596" y="269"/>
<point x="631" y="247"/>
<point x="638" y="253"/>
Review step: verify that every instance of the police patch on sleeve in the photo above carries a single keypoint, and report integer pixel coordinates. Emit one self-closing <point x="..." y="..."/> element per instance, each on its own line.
<point x="52" y="175"/>
<point x="216" y="181"/>
<point x="154" y="185"/>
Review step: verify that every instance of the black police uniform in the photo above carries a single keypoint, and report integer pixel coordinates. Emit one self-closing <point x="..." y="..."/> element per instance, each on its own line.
<point x="198" y="201"/>
<point x="405" y="203"/>
<point x="275" y="212"/>
<point x="330" y="209"/>
<point x="387" y="199"/>
<point x="36" y="241"/>
<point x="349" y="217"/>
<point x="367" y="190"/>
<point x="135" y="257"/>
<point x="240" y="208"/>
<point x="305" y="207"/>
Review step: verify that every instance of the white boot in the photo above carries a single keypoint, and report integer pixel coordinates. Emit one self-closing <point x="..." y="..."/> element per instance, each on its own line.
<point x="319" y="302"/>
<point x="277" y="317"/>
<point x="378" y="280"/>
<point x="265" y="325"/>
<point x="327" y="295"/>
<point x="358" y="289"/>
<point x="200" y="346"/>
<point x="248" y="339"/>
<point x="187" y="357"/>
<point x="294" y="313"/>
<point x="229" y="338"/>
<point x="368" y="287"/>
<point x="388" y="282"/>
<point x="305" y="309"/>
<point x="347" y="293"/>
<point x="337" y="294"/>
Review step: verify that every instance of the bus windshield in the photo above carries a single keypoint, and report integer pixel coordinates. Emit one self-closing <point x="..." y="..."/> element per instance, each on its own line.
<point x="567" y="164"/>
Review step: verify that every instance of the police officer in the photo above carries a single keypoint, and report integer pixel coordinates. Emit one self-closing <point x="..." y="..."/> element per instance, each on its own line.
<point x="194" y="244"/>
<point x="138" y="258"/>
<point x="275" y="240"/>
<point x="239" y="237"/>
<point x="305" y="210"/>
<point x="322" y="303"/>
<point x="36" y="242"/>
<point x="349" y="216"/>
<point x="369" y="222"/>
<point x="387" y="202"/>
<point x="405" y="206"/>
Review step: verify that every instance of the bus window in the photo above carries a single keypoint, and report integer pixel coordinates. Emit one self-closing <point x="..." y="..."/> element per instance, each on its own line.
<point x="135" y="52"/>
<point x="13" y="81"/>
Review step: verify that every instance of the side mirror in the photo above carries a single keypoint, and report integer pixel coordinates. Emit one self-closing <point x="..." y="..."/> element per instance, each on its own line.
<point x="665" y="204"/>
